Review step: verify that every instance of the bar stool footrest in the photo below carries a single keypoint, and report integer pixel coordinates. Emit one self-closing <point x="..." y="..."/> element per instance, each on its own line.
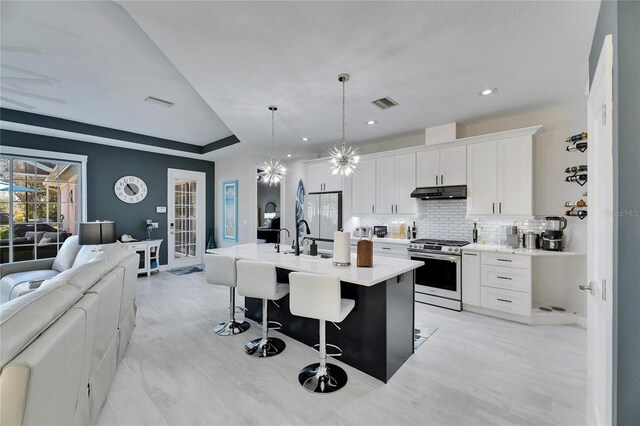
<point x="316" y="348"/>
<point x="277" y="327"/>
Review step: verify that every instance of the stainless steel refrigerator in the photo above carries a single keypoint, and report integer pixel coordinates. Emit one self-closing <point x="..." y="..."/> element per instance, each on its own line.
<point x="323" y="212"/>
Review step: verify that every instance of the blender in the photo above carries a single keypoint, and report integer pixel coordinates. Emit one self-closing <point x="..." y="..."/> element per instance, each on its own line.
<point x="553" y="233"/>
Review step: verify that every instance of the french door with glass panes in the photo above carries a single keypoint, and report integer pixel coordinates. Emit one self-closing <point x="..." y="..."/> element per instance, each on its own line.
<point x="40" y="205"/>
<point x="186" y="218"/>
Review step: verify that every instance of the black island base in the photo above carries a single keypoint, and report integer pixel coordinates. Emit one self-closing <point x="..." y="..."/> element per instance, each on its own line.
<point x="376" y="337"/>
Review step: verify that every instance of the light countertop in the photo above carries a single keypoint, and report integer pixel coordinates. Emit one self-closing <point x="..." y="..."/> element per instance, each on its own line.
<point x="522" y="251"/>
<point x="386" y="240"/>
<point x="384" y="267"/>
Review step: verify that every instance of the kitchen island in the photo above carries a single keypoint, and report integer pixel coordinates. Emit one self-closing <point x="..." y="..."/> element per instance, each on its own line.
<point x="377" y="336"/>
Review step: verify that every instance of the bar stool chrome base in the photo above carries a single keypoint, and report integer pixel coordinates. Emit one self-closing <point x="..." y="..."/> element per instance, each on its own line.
<point x="322" y="380"/>
<point x="263" y="348"/>
<point x="231" y="328"/>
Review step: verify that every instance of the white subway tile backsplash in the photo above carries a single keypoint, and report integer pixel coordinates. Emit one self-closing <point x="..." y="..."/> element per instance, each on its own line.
<point x="446" y="219"/>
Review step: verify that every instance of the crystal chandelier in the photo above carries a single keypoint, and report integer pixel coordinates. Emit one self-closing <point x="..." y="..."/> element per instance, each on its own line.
<point x="344" y="159"/>
<point x="274" y="169"/>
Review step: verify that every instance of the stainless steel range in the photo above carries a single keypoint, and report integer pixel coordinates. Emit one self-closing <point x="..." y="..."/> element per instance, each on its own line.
<point x="438" y="281"/>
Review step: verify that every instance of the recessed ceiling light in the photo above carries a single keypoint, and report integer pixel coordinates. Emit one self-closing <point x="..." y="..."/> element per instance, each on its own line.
<point x="289" y="155"/>
<point x="371" y="122"/>
<point x="305" y="139"/>
<point x="487" y="92"/>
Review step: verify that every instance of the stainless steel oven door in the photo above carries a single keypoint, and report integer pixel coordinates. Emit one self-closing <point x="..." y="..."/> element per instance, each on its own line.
<point x="439" y="276"/>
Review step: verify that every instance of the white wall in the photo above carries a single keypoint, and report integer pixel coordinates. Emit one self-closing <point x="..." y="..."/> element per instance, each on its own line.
<point x="242" y="169"/>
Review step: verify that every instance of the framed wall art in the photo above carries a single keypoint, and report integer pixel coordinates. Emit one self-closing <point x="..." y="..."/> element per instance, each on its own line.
<point x="230" y="209"/>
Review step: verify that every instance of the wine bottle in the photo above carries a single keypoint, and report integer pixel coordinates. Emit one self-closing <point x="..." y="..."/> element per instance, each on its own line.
<point x="475" y="233"/>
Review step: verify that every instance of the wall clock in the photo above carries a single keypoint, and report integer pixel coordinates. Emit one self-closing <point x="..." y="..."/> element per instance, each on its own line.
<point x="130" y="189"/>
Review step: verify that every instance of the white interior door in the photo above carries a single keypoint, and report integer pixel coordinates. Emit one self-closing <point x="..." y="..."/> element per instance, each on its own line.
<point x="600" y="242"/>
<point x="186" y="217"/>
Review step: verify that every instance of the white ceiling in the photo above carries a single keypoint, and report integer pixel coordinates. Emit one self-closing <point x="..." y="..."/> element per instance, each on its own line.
<point x="431" y="57"/>
<point x="100" y="66"/>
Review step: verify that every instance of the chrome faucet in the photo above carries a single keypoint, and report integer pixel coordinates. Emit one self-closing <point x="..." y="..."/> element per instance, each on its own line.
<point x="278" y="238"/>
<point x="306" y="225"/>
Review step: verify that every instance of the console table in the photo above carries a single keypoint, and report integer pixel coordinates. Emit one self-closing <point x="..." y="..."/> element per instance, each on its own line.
<point x="148" y="251"/>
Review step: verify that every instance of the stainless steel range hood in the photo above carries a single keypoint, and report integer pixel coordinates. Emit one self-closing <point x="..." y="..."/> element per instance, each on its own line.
<point x="441" y="193"/>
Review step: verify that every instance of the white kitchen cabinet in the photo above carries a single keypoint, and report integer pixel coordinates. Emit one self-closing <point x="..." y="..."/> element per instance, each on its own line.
<point x="320" y="178"/>
<point x="405" y="183"/>
<point x="471" y="278"/>
<point x="500" y="177"/>
<point x="428" y="170"/>
<point x="363" y="194"/>
<point x="395" y="180"/>
<point x="314" y="177"/>
<point x="515" y="176"/>
<point x="442" y="167"/>
<point x="453" y="166"/>
<point x="482" y="178"/>
<point x="385" y="185"/>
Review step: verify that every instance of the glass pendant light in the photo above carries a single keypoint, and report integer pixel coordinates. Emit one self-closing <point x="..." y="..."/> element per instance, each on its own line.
<point x="344" y="159"/>
<point x="274" y="169"/>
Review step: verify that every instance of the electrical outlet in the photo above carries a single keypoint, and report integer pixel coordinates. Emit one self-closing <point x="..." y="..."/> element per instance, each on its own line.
<point x="154" y="224"/>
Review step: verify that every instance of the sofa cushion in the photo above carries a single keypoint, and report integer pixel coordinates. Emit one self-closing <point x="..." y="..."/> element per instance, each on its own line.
<point x="8" y="282"/>
<point x="23" y="319"/>
<point x="67" y="254"/>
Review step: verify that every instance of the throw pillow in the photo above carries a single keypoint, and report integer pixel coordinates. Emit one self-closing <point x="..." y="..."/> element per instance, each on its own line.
<point x="44" y="240"/>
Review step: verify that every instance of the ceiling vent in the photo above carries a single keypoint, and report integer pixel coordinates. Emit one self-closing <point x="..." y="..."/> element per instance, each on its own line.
<point x="385" y="103"/>
<point x="158" y="101"/>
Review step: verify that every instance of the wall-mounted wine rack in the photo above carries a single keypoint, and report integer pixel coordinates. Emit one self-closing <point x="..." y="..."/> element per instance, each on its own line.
<point x="577" y="174"/>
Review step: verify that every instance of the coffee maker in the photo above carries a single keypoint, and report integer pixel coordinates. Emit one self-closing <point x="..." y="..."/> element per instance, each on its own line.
<point x="552" y="236"/>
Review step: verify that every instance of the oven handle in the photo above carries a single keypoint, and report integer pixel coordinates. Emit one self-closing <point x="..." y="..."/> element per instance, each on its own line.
<point x="435" y="256"/>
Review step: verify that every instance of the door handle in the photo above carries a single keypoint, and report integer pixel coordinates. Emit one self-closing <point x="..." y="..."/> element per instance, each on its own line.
<point x="587" y="287"/>
<point x="500" y="208"/>
<point x="441" y="179"/>
<point x="371" y="208"/>
<point x="436" y="179"/>
<point x="494" y="208"/>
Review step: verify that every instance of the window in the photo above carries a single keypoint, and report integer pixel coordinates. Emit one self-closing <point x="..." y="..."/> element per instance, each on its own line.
<point x="40" y="206"/>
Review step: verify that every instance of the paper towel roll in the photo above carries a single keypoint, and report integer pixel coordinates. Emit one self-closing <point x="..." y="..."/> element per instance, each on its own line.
<point x="341" y="248"/>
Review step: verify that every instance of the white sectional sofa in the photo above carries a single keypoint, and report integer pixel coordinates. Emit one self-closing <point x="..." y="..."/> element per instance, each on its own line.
<point x="61" y="343"/>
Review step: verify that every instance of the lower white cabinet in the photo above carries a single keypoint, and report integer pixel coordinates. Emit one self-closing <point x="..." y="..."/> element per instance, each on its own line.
<point x="471" y="278"/>
<point x="513" y="302"/>
<point x="497" y="282"/>
<point x="507" y="278"/>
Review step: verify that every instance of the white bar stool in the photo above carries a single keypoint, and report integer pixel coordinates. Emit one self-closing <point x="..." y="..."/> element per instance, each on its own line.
<point x="221" y="270"/>
<point x="258" y="279"/>
<point x="318" y="296"/>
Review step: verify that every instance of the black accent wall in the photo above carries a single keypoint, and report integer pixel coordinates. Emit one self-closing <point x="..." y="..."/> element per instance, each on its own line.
<point x="622" y="20"/>
<point x="106" y="164"/>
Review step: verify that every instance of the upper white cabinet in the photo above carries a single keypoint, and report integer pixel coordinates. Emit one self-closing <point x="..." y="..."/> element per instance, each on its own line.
<point x="319" y="177"/>
<point x="395" y="180"/>
<point x="515" y="176"/>
<point x="363" y="193"/>
<point x="442" y="167"/>
<point x="384" y="185"/>
<point x="482" y="178"/>
<point x="405" y="183"/>
<point x="500" y="177"/>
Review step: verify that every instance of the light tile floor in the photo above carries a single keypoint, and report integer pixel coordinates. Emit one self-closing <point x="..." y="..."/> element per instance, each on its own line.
<point x="473" y="370"/>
